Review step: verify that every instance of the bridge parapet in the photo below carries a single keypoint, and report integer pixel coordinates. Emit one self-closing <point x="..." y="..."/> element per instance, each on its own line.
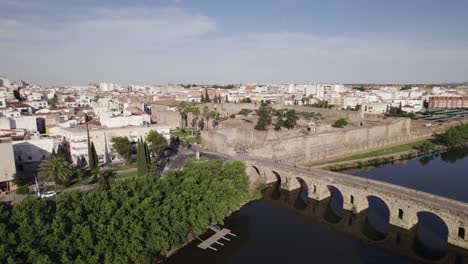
<point x="404" y="203"/>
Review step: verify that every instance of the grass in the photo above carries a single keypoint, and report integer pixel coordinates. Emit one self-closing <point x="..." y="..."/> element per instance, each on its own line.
<point x="126" y="174"/>
<point x="124" y="167"/>
<point x="186" y="137"/>
<point x="181" y="134"/>
<point x="391" y="150"/>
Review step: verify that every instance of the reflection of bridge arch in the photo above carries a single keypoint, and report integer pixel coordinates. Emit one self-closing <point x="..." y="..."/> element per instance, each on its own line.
<point x="397" y="240"/>
<point x="378" y="218"/>
<point x="431" y="235"/>
<point x="403" y="203"/>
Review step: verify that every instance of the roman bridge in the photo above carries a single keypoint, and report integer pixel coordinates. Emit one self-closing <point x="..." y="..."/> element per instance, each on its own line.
<point x="403" y="203"/>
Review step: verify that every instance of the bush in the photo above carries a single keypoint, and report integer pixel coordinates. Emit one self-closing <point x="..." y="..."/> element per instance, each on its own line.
<point x="245" y="112"/>
<point x="341" y="122"/>
<point x="22" y="189"/>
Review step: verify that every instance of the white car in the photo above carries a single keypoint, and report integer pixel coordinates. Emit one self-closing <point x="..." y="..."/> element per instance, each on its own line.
<point x="48" y="194"/>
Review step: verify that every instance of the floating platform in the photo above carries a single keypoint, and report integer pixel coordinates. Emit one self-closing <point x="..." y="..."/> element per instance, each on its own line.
<point x="214" y="239"/>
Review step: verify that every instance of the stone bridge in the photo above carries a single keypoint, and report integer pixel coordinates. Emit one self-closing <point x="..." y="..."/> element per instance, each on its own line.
<point x="403" y="203"/>
<point x="357" y="226"/>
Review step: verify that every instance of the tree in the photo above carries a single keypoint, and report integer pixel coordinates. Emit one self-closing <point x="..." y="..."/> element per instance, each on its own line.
<point x="291" y="119"/>
<point x="201" y="124"/>
<point x="183" y="109"/>
<point x="93" y="158"/>
<point x="19" y="179"/>
<point x="123" y="146"/>
<point x="157" y="143"/>
<point x="196" y="113"/>
<point x="56" y="168"/>
<point x="54" y="101"/>
<point x="341" y="122"/>
<point x="207" y="97"/>
<point x="205" y="114"/>
<point x="246" y="100"/>
<point x="143" y="159"/>
<point x="264" y="117"/>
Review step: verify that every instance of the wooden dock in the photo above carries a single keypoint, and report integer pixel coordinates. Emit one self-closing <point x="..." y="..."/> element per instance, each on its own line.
<point x="214" y="239"/>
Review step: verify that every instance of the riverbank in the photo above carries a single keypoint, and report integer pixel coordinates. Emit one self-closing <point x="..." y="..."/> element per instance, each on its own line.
<point x="351" y="163"/>
<point x="255" y="196"/>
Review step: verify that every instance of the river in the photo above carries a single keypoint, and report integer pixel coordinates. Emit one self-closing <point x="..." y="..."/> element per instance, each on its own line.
<point x="286" y="227"/>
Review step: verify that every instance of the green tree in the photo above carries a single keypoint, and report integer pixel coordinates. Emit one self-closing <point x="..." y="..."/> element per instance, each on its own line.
<point x="291" y="119"/>
<point x="157" y="143"/>
<point x="19" y="179"/>
<point x="123" y="146"/>
<point x="207" y="97"/>
<point x="93" y="161"/>
<point x="54" y="101"/>
<point x="56" y="169"/>
<point x="143" y="159"/>
<point x="196" y="114"/>
<point x="264" y="117"/>
<point x="246" y="100"/>
<point x="341" y="122"/>
<point x="183" y="109"/>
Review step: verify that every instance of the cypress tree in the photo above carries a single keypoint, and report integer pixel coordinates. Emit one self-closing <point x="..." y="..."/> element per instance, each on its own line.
<point x="93" y="158"/>
<point x="140" y="158"/>
<point x="207" y="97"/>
<point x="143" y="158"/>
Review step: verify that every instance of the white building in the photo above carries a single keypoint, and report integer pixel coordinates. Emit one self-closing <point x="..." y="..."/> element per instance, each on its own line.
<point x="76" y="140"/>
<point x="7" y="163"/>
<point x="30" y="153"/>
<point x="375" y="108"/>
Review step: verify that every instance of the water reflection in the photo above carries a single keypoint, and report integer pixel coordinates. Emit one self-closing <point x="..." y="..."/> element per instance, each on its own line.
<point x="426" y="242"/>
<point x="283" y="228"/>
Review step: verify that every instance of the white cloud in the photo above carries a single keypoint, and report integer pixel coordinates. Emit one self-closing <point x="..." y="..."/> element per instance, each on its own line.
<point x="135" y="45"/>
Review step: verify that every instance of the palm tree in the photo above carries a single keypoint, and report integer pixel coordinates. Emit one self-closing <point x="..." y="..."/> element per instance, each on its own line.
<point x="196" y="113"/>
<point x="205" y="114"/>
<point x="56" y="168"/>
<point x="183" y="109"/>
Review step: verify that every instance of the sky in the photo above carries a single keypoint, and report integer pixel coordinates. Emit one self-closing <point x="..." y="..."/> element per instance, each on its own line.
<point x="73" y="42"/>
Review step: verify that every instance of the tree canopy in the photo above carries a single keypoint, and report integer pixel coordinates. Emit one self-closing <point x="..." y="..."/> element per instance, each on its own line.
<point x="157" y="142"/>
<point x="341" y="122"/>
<point x="123" y="146"/>
<point x="130" y="221"/>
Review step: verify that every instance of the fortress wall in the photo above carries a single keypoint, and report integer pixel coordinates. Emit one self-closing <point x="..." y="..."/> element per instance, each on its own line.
<point x="306" y="148"/>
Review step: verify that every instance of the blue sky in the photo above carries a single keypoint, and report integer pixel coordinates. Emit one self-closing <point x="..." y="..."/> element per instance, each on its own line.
<point x="220" y="41"/>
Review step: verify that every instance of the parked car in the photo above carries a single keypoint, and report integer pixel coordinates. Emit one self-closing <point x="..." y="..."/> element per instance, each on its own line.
<point x="48" y="194"/>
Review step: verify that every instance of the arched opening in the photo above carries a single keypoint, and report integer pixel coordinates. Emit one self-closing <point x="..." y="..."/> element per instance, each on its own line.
<point x="335" y="207"/>
<point x="461" y="232"/>
<point x="378" y="219"/>
<point x="431" y="240"/>
<point x="257" y="170"/>
<point x="303" y="197"/>
<point x="278" y="177"/>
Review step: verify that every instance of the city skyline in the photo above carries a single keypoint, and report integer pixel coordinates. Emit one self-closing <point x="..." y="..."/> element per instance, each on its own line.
<point x="63" y="43"/>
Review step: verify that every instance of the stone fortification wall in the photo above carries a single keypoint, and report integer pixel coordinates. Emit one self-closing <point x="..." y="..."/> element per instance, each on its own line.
<point x="294" y="147"/>
<point x="234" y="108"/>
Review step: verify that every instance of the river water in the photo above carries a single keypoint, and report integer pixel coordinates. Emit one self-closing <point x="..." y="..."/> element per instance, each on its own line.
<point x="286" y="227"/>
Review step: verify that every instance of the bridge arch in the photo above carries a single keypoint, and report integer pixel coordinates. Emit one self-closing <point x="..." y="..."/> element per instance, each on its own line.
<point x="431" y="238"/>
<point x="281" y="179"/>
